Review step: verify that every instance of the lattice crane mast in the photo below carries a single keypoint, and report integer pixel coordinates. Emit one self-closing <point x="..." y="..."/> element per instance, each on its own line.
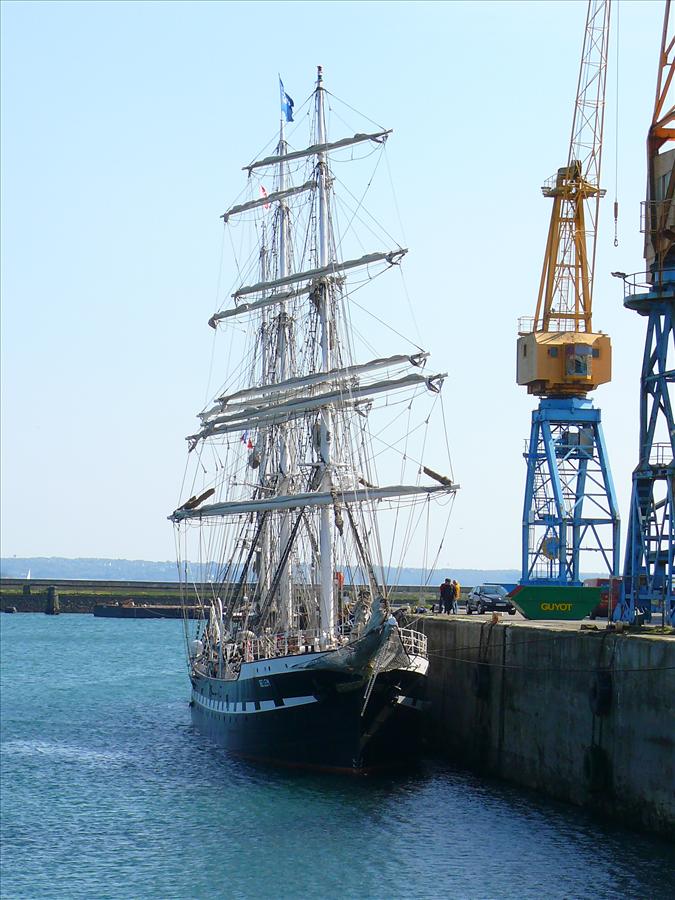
<point x="570" y="507"/>
<point x="649" y="565"/>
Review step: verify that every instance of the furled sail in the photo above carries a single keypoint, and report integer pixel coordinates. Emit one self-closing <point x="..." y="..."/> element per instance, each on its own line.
<point x="252" y="416"/>
<point x="334" y="377"/>
<point x="318" y="498"/>
<point x="391" y="256"/>
<point x="316" y="149"/>
<point x="266" y="199"/>
<point x="272" y="300"/>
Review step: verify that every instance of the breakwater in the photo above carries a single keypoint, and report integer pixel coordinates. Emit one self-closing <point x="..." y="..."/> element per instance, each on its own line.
<point x="581" y="715"/>
<point x="74" y="596"/>
<point x="83" y="596"/>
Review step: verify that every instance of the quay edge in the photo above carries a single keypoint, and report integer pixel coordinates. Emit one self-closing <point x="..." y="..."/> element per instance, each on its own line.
<point x="584" y="716"/>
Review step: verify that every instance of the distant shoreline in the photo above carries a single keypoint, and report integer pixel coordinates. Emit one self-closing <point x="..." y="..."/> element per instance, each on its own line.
<point x="24" y="595"/>
<point x="93" y="569"/>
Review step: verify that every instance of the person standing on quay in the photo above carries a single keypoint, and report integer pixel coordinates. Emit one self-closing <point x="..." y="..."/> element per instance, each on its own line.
<point x="445" y="590"/>
<point x="455" y="596"/>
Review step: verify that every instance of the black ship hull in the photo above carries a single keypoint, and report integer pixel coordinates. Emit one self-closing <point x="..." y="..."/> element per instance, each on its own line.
<point x="314" y="718"/>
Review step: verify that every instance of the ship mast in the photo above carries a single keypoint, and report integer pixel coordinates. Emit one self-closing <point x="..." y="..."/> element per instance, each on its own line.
<point x="326" y="532"/>
<point x="285" y="592"/>
<point x="264" y="555"/>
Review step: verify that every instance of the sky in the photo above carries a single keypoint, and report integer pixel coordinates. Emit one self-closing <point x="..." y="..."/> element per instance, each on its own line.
<point x="124" y="130"/>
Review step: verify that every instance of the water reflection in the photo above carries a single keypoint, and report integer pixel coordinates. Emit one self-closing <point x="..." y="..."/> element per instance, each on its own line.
<point x="441" y="829"/>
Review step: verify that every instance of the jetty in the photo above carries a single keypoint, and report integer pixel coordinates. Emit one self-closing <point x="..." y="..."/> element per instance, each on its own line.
<point x="580" y="711"/>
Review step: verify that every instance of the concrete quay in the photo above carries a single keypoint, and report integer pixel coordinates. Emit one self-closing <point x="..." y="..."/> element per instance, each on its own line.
<point x="581" y="714"/>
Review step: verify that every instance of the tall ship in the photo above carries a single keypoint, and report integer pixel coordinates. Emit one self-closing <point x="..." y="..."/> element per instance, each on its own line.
<point x="306" y="485"/>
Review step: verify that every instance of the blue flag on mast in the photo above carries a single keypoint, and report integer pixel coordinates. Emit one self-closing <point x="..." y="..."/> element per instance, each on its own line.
<point x="286" y="102"/>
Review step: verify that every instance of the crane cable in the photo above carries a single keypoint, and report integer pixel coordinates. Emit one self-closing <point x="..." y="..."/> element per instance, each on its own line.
<point x="616" y="137"/>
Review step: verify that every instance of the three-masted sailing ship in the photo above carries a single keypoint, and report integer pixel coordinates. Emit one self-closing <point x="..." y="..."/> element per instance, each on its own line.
<point x="298" y="659"/>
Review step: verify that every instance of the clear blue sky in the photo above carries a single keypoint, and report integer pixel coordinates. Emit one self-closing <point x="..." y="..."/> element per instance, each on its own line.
<point x="124" y="129"/>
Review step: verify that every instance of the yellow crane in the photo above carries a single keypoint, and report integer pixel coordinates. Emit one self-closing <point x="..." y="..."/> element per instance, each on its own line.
<point x="559" y="354"/>
<point x="570" y="513"/>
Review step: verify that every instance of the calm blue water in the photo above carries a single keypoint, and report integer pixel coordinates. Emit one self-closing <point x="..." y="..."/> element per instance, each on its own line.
<point x="107" y="793"/>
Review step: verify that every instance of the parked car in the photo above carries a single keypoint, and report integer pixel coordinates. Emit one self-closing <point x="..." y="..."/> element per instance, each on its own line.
<point x="489" y="597"/>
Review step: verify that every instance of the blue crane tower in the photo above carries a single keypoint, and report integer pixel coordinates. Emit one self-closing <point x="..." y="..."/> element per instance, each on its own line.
<point x="649" y="566"/>
<point x="570" y="513"/>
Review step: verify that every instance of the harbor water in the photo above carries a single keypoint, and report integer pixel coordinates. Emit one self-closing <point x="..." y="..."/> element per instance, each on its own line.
<point x="107" y="793"/>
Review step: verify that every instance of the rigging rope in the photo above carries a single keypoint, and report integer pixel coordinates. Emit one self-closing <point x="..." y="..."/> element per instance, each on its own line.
<point x="358" y="113"/>
<point x="406" y="337"/>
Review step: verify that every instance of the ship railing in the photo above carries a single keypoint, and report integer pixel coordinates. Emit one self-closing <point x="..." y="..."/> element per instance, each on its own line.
<point x="287" y="643"/>
<point x="414" y="642"/>
<point x="298" y="641"/>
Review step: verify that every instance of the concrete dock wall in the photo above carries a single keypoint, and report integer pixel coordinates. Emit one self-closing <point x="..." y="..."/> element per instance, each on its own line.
<point x="583" y="716"/>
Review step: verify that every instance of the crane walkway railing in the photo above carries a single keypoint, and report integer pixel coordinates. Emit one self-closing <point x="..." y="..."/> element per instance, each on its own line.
<point x="528" y="325"/>
<point x="661" y="455"/>
<point x="647" y="282"/>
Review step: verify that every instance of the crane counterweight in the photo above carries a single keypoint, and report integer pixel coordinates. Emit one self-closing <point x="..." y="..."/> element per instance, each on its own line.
<point x="563" y="364"/>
